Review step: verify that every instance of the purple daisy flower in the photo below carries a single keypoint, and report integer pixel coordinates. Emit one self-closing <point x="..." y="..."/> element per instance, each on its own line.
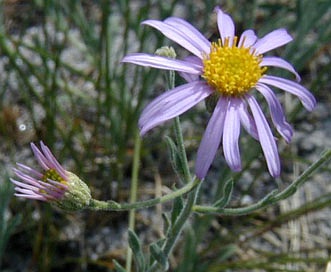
<point x="50" y="184"/>
<point x="230" y="69"/>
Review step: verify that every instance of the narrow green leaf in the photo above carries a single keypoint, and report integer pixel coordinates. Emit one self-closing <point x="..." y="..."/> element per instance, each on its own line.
<point x="177" y="208"/>
<point x="174" y="157"/>
<point x="227" y="252"/>
<point x="135" y="245"/>
<point x="159" y="256"/>
<point x="167" y="222"/>
<point x="226" y="194"/>
<point x="134" y="241"/>
<point x="189" y="250"/>
<point x="118" y="267"/>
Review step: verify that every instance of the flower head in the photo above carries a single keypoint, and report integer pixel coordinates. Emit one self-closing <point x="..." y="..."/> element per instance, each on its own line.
<point x="230" y="69"/>
<point x="52" y="184"/>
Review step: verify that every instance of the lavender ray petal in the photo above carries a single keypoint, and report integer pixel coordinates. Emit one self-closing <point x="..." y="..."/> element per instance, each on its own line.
<point x="39" y="184"/>
<point x="276" y="112"/>
<point x="40" y="157"/>
<point x="195" y="46"/>
<point x="25" y="191"/>
<point x="58" y="184"/>
<point x="29" y="180"/>
<point x="53" y="161"/>
<point x="247" y="120"/>
<point x="266" y="137"/>
<point x="53" y="193"/>
<point x="272" y="40"/>
<point x="190" y="32"/>
<point x="225" y="25"/>
<point x="26" y="178"/>
<point x="160" y="62"/>
<point x="34" y="197"/>
<point x="173" y="103"/>
<point x="190" y="77"/>
<point x="247" y="38"/>
<point x="231" y="135"/>
<point x="24" y="185"/>
<point x="211" y="139"/>
<point x="306" y="98"/>
<point x="194" y="60"/>
<point x="30" y="170"/>
<point x="281" y="63"/>
<point x="174" y="95"/>
<point x="51" y="185"/>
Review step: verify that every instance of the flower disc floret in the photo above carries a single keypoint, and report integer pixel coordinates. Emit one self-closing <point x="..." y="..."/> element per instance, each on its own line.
<point x="232" y="70"/>
<point x="52" y="175"/>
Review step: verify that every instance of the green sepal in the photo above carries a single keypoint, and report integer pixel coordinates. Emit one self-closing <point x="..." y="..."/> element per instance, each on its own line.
<point x="77" y="197"/>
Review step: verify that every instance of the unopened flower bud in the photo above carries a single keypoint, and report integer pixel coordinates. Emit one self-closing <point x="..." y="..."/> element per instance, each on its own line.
<point x="53" y="184"/>
<point x="166" y="51"/>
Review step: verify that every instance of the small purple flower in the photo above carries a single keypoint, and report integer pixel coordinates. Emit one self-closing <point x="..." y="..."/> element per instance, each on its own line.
<point x="50" y="184"/>
<point x="230" y="69"/>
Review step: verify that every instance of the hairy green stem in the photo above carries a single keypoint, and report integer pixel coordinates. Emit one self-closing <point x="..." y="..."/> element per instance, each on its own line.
<point x="177" y="228"/>
<point x="181" y="151"/>
<point x="272" y="197"/>
<point x="133" y="193"/>
<point x="98" y="205"/>
<point x="179" y="136"/>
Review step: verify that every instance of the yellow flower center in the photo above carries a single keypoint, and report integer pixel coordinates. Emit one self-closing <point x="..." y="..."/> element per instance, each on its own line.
<point x="53" y="175"/>
<point x="232" y="70"/>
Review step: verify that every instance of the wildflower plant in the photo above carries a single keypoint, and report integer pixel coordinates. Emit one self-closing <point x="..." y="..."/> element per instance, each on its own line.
<point x="228" y="74"/>
<point x="229" y="69"/>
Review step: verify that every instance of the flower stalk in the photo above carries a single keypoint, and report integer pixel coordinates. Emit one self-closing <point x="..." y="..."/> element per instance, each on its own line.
<point x="271" y="198"/>
<point x="99" y="205"/>
<point x="133" y="193"/>
<point x="175" y="230"/>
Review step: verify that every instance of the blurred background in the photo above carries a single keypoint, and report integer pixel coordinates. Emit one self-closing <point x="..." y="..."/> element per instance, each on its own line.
<point x="61" y="81"/>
